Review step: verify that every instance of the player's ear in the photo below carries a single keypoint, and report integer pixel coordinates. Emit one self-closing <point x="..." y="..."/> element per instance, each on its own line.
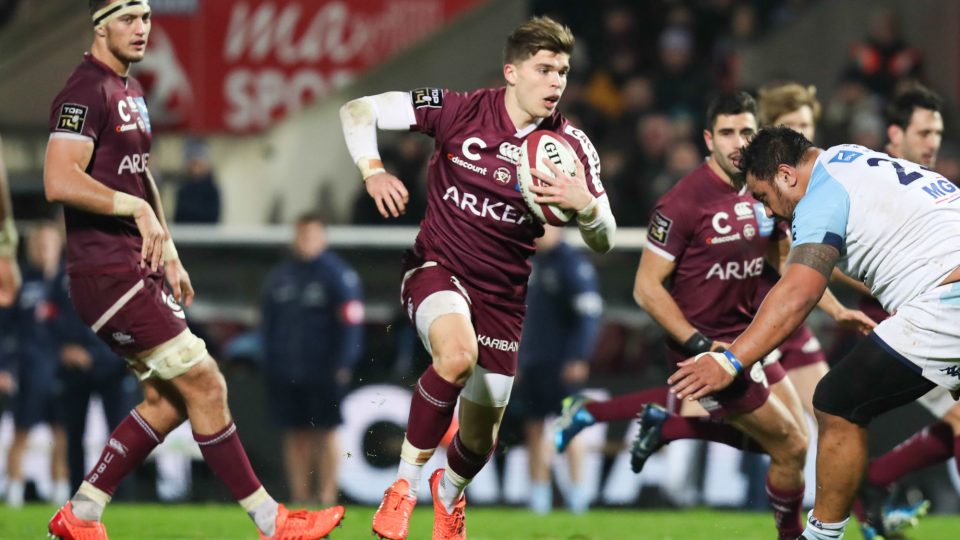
<point x="100" y="31"/>
<point x="895" y="134"/>
<point x="510" y="74"/>
<point x="708" y="139"/>
<point x="788" y="174"/>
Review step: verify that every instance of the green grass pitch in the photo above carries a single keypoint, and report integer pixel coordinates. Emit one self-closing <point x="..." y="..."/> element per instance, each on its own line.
<point x="228" y="522"/>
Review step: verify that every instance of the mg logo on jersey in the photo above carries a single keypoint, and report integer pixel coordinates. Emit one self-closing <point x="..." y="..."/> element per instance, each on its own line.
<point x="467" y="145"/>
<point x="509" y="153"/>
<point x="133" y="163"/>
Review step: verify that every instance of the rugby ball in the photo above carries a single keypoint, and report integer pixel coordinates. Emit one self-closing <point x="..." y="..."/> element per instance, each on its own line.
<point x="537" y="146"/>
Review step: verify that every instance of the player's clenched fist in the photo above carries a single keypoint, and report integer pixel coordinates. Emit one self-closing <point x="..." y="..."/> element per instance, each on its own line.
<point x="389" y="193"/>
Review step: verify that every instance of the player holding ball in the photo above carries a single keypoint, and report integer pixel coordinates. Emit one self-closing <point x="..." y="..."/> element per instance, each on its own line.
<point x="465" y="280"/>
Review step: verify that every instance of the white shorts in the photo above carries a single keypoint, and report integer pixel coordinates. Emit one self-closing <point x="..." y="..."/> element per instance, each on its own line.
<point x="938" y="401"/>
<point x="926" y="332"/>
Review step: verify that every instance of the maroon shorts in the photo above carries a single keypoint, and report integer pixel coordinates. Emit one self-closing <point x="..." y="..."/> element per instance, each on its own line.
<point x="128" y="309"/>
<point x="497" y="322"/>
<point x="745" y="394"/>
<point x="801" y="349"/>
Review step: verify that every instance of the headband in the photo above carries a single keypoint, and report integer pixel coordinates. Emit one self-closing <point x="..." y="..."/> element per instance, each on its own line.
<point x="112" y="11"/>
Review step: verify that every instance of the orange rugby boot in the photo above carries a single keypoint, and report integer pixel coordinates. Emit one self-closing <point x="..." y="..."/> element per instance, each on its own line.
<point x="447" y="526"/>
<point x="392" y="519"/>
<point x="305" y="524"/>
<point x="66" y="526"/>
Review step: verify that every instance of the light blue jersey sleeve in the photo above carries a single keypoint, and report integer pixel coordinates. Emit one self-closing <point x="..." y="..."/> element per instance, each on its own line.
<point x="821" y="216"/>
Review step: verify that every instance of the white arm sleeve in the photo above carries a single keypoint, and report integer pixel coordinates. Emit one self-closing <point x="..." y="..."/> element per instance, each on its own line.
<point x="598" y="234"/>
<point x="361" y="117"/>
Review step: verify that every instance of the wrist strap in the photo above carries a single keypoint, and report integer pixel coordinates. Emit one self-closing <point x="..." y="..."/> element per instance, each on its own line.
<point x="125" y="204"/>
<point x="8" y="238"/>
<point x="588" y="209"/>
<point x="733" y="361"/>
<point x="370" y="166"/>
<point x="696" y="344"/>
<point x="169" y="250"/>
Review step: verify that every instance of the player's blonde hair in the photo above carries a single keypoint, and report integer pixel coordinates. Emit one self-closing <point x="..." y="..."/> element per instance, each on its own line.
<point x="778" y="100"/>
<point x="538" y="33"/>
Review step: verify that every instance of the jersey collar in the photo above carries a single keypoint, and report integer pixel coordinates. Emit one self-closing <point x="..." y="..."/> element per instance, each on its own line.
<point x="87" y="57"/>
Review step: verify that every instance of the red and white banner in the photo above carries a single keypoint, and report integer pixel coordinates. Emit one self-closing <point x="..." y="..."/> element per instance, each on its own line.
<point x="239" y="66"/>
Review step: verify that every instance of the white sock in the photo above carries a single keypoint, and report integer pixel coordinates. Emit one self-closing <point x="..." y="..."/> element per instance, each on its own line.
<point x="261" y="507"/>
<point x="451" y="488"/>
<point x="818" y="530"/>
<point x="541" y="497"/>
<point x="15" y="493"/>
<point x="412" y="460"/>
<point x="89" y="501"/>
<point x="410" y="472"/>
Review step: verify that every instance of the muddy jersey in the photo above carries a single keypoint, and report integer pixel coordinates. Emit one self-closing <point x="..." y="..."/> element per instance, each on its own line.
<point x="717" y="237"/>
<point x="100" y="106"/>
<point x="476" y="223"/>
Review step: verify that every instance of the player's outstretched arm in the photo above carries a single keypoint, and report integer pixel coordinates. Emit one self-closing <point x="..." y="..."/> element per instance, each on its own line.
<point x="360" y="119"/>
<point x="783" y="310"/>
<point x="654" y="298"/>
<point x="65" y="181"/>
<point x="852" y="319"/>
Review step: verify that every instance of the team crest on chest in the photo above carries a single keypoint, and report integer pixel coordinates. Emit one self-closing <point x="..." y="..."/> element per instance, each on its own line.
<point x="502" y="175"/>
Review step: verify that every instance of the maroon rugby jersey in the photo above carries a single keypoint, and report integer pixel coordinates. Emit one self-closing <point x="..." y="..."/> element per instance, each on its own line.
<point x="717" y="237"/>
<point x="99" y="105"/>
<point x="476" y="223"/>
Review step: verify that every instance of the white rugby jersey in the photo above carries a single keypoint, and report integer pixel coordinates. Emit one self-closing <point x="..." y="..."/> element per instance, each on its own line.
<point x="896" y="223"/>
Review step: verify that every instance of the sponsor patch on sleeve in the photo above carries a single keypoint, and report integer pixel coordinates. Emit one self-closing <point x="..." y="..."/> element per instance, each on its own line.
<point x="659" y="228"/>
<point x="427" y="97"/>
<point x="72" y="117"/>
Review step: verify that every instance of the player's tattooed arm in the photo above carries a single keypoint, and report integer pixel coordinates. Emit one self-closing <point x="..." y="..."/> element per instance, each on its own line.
<point x="820" y="257"/>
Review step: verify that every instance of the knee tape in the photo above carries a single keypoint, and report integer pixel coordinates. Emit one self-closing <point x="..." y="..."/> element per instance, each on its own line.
<point x="173" y="358"/>
<point x="436" y="305"/>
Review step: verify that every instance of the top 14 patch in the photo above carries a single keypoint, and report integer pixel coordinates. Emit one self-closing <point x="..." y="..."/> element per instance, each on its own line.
<point x="427" y="97"/>
<point x="659" y="228"/>
<point x="72" y="117"/>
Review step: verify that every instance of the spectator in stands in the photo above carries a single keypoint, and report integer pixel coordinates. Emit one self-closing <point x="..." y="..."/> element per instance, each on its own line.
<point x="37" y="397"/>
<point x="9" y="271"/>
<point x="884" y="57"/>
<point x="563" y="321"/>
<point x="680" y="82"/>
<point x="312" y="331"/>
<point x="198" y="197"/>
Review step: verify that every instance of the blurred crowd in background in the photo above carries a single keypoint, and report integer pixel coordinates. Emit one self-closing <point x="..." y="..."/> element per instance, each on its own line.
<point x="641" y="76"/>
